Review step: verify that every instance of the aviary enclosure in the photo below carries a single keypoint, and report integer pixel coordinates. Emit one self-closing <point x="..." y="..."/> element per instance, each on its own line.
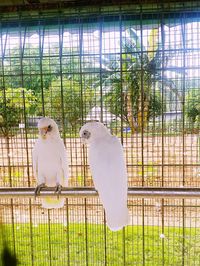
<point x="135" y="67"/>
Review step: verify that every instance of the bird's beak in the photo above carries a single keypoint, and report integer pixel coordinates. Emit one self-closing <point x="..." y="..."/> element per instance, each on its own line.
<point x="43" y="132"/>
<point x="83" y="141"/>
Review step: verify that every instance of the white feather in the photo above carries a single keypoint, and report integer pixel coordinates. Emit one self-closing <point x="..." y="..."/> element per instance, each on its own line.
<point x="109" y="173"/>
<point x="50" y="164"/>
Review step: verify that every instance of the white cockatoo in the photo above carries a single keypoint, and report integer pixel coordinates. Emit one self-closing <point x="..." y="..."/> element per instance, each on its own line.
<point x="50" y="165"/>
<point x="109" y="172"/>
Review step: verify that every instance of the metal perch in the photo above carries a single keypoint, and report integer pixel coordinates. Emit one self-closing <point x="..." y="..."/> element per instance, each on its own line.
<point x="137" y="192"/>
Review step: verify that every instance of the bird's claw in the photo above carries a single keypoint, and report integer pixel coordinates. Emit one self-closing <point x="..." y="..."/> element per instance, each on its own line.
<point x="58" y="190"/>
<point x="38" y="189"/>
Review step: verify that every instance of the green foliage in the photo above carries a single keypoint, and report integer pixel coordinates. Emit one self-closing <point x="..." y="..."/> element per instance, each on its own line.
<point x="134" y="92"/>
<point x="45" y="243"/>
<point x="37" y="73"/>
<point x="117" y="105"/>
<point x="192" y="105"/>
<point x="12" y="102"/>
<point x="69" y="100"/>
<point x="31" y="70"/>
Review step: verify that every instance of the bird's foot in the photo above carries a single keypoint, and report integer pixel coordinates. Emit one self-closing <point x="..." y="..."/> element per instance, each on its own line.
<point x="58" y="189"/>
<point x="38" y="189"/>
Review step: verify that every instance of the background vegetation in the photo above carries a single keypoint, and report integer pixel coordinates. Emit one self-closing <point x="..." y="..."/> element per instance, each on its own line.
<point x="131" y="86"/>
<point x="145" y="240"/>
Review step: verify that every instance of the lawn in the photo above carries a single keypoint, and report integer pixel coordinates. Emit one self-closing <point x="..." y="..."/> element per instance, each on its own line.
<point x="80" y="244"/>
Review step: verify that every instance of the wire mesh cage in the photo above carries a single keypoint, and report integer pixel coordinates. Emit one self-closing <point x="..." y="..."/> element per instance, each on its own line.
<point x="136" y="69"/>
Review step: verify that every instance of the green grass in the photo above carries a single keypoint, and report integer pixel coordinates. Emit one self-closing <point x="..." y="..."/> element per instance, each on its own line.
<point x="89" y="243"/>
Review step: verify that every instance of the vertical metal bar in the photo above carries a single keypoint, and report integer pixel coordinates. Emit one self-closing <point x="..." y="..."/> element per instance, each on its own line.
<point x="22" y="47"/>
<point x="105" y="238"/>
<point x="183" y="139"/>
<point x="28" y="172"/>
<point x="41" y="47"/>
<point x="162" y="135"/>
<point x="80" y="60"/>
<point x="81" y="86"/>
<point x="84" y="151"/>
<point x="123" y="246"/>
<point x="61" y="30"/>
<point x="31" y="232"/>
<point x="3" y="49"/>
<point x="142" y="133"/>
<point x="68" y="238"/>
<point x="86" y="232"/>
<point x="102" y="119"/>
<point x="24" y="102"/>
<point x="100" y="62"/>
<point x="49" y="237"/>
<point x="22" y="44"/>
<point x="121" y="77"/>
<point x="122" y="133"/>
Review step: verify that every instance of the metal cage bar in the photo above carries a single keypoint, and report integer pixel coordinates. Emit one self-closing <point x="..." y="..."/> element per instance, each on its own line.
<point x="137" y="192"/>
<point x="118" y="60"/>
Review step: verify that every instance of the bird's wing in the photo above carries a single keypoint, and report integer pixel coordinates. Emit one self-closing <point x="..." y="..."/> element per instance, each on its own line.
<point x="35" y="159"/>
<point x="106" y="158"/>
<point x="64" y="162"/>
<point x="110" y="179"/>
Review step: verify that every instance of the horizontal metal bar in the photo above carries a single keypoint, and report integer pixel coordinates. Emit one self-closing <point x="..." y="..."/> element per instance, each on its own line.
<point x="137" y="192"/>
<point x="128" y="165"/>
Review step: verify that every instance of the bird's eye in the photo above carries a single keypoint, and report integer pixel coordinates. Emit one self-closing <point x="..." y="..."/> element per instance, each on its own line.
<point x="49" y="128"/>
<point x="86" y="134"/>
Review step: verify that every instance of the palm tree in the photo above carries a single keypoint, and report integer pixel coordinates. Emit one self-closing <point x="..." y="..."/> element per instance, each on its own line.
<point x="134" y="80"/>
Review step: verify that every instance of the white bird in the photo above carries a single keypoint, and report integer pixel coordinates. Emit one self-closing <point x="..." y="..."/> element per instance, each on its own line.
<point x="50" y="165"/>
<point x="109" y="172"/>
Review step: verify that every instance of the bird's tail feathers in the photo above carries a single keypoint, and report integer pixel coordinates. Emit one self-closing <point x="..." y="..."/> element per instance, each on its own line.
<point x="52" y="203"/>
<point x="117" y="221"/>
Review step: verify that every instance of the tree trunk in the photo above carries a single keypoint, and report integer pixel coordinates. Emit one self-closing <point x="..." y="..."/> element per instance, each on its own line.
<point x="130" y="116"/>
<point x="142" y="116"/>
